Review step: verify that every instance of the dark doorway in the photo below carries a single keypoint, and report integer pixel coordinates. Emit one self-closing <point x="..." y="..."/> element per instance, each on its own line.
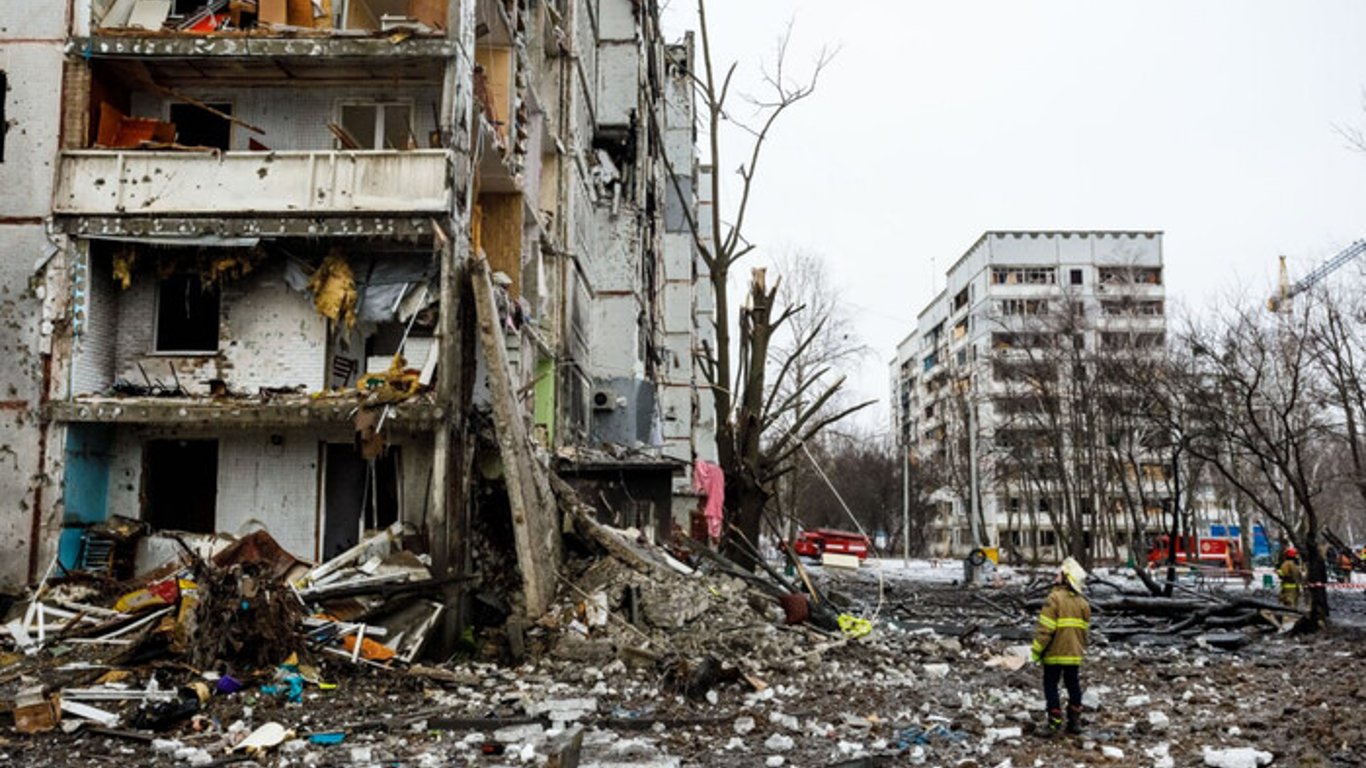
<point x="180" y="484"/>
<point x="198" y="127"/>
<point x="355" y="496"/>
<point x="187" y="315"/>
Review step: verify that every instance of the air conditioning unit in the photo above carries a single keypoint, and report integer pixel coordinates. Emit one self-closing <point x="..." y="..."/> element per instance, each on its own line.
<point x="606" y="400"/>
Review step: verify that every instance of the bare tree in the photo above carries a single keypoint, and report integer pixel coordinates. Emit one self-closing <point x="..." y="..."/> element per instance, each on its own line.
<point x="750" y="445"/>
<point x="863" y="469"/>
<point x="1259" y="417"/>
<point x="833" y="345"/>
<point x="1339" y="351"/>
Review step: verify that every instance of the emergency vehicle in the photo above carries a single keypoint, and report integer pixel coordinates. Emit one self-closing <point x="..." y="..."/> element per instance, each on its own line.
<point x="1224" y="552"/>
<point x="815" y="541"/>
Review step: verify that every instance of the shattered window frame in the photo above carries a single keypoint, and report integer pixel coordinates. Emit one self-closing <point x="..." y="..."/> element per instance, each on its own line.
<point x="380" y="108"/>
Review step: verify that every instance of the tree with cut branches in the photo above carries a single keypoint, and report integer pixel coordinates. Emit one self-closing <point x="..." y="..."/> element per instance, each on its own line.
<point x="756" y="434"/>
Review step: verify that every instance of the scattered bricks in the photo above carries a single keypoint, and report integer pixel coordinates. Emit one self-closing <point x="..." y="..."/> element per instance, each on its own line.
<point x="36" y="712"/>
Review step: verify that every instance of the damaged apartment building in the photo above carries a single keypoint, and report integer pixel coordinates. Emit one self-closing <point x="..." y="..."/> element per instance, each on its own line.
<point x="318" y="266"/>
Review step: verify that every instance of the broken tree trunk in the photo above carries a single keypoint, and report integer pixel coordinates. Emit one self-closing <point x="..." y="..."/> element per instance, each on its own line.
<point x="535" y="521"/>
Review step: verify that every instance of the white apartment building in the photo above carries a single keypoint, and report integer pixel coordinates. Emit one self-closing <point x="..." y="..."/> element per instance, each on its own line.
<point x="1014" y="304"/>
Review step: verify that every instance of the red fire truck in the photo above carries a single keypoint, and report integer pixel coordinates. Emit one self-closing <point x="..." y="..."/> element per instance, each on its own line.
<point x="815" y="541"/>
<point x="1224" y="552"/>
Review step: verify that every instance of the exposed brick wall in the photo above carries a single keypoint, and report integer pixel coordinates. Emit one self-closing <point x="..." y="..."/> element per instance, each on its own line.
<point x="273" y="485"/>
<point x="136" y="326"/>
<point x="96" y="345"/>
<point x="269" y="336"/>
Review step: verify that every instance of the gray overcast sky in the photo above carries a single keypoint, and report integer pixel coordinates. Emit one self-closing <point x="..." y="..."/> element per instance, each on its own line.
<point x="1213" y="121"/>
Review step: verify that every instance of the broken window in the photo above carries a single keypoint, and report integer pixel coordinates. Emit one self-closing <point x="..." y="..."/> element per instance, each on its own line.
<point x="198" y="127"/>
<point x="1023" y="276"/>
<point x="186" y="315"/>
<point x="379" y="125"/>
<point x="1075" y="277"/>
<point x="1024" y="307"/>
<point x="180" y="484"/>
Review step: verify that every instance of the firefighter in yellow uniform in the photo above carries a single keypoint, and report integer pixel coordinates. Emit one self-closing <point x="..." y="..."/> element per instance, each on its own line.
<point x="1289" y="574"/>
<point x="1060" y="641"/>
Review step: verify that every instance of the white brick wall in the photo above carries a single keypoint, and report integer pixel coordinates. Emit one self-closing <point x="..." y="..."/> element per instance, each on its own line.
<point x="96" y="346"/>
<point x="274" y="486"/>
<point x="136" y="327"/>
<point x="269" y="336"/>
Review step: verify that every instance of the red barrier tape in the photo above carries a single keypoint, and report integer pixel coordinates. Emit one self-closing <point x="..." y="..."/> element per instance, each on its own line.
<point x="1336" y="585"/>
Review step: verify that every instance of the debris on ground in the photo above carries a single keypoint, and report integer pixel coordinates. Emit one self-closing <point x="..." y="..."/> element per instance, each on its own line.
<point x="654" y="656"/>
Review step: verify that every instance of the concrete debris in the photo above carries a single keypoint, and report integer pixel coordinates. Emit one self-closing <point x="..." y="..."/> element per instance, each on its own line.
<point x="1160" y="754"/>
<point x="779" y="742"/>
<point x="730" y="686"/>
<point x="1240" y="757"/>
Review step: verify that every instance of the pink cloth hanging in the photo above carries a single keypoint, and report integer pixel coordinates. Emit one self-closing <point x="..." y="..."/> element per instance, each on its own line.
<point x="709" y="480"/>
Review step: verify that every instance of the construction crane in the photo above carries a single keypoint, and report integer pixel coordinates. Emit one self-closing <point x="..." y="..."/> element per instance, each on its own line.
<point x="1281" y="301"/>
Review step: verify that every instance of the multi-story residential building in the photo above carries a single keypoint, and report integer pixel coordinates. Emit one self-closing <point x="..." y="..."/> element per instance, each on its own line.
<point x="241" y="240"/>
<point x="985" y="387"/>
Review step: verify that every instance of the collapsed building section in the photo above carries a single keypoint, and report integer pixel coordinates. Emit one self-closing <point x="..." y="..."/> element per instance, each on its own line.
<point x="321" y="268"/>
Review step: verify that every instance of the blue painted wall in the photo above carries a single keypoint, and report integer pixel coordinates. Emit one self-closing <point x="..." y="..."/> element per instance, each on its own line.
<point x="85" y="495"/>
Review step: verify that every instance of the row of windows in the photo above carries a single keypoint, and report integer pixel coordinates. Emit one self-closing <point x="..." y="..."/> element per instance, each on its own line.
<point x="1024" y="276"/>
<point x="1130" y="275"/>
<point x="1020" y="307"/>
<point x="1110" y="340"/>
<point x="1127" y="308"/>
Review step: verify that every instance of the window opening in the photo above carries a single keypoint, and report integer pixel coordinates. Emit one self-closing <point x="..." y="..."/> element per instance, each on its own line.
<point x="379" y="125"/>
<point x="180" y="484"/>
<point x="186" y="315"/>
<point x="356" y="498"/>
<point x="198" y="127"/>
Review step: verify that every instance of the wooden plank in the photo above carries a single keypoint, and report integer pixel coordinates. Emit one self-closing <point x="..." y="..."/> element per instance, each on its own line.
<point x="497" y="64"/>
<point x="429" y="12"/>
<point x="272" y="12"/>
<point x="500" y="235"/>
<point x="300" y="13"/>
<point x="534" y="520"/>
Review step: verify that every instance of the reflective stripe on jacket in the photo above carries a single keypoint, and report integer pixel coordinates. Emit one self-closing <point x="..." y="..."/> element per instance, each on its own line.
<point x="1063" y="628"/>
<point x="1289" y="573"/>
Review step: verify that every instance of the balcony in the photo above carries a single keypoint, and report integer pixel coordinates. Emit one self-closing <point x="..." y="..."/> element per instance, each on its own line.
<point x="297" y="183"/>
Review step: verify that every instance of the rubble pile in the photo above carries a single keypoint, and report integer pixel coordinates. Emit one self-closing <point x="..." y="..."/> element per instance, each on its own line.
<point x="645" y="659"/>
<point x="249" y="617"/>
